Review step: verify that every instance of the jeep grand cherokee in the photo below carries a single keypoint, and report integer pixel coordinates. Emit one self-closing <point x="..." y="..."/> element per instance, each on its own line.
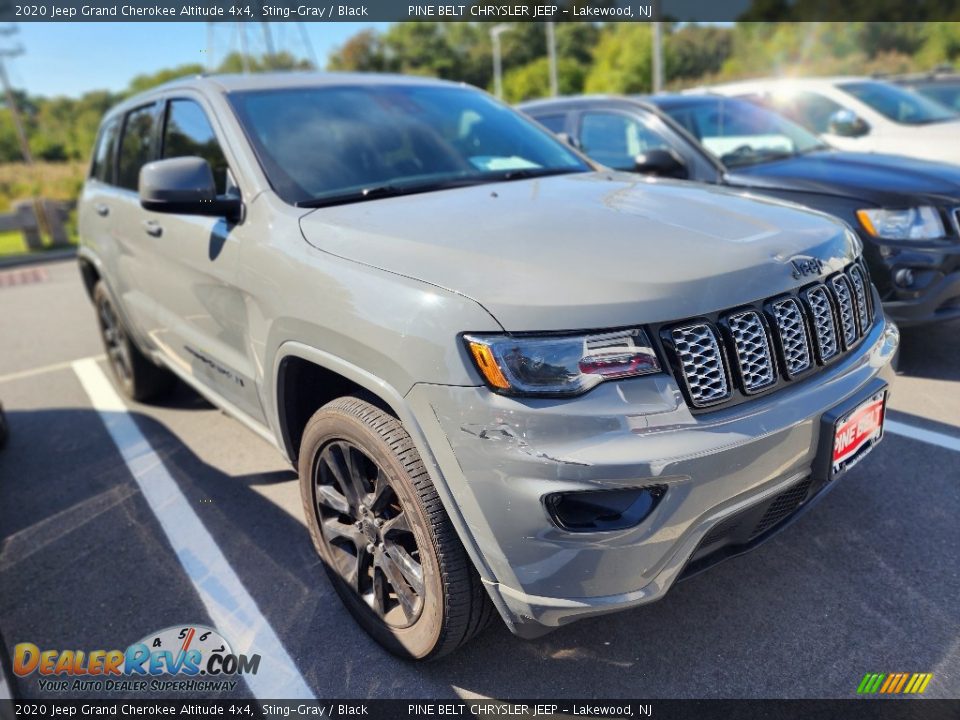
<point x="509" y="380"/>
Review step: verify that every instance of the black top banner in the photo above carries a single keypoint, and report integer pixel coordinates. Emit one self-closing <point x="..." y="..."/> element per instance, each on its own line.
<point x="493" y="11"/>
<point x="887" y="709"/>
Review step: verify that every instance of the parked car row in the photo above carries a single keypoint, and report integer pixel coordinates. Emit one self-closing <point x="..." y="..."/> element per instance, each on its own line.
<point x="512" y="381"/>
<point x="905" y="210"/>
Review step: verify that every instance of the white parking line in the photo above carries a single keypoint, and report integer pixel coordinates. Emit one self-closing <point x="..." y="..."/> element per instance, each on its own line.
<point x="231" y="608"/>
<point x="928" y="436"/>
<point x="32" y="372"/>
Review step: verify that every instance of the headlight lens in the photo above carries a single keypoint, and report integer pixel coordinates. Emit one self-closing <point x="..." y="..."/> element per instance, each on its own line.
<point x="920" y="223"/>
<point x="563" y="364"/>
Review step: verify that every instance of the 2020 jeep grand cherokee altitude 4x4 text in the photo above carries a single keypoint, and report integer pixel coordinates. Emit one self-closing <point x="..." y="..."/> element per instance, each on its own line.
<point x="509" y="379"/>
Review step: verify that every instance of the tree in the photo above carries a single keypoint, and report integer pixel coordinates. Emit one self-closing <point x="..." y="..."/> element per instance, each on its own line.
<point x="622" y="60"/>
<point x="533" y="79"/>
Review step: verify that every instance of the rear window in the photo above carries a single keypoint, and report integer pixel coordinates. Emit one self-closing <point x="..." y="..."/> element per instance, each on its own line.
<point x="136" y="145"/>
<point x="897" y="104"/>
<point x="105" y="152"/>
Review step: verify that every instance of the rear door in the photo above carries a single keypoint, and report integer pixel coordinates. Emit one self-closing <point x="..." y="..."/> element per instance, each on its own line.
<point x="200" y="314"/>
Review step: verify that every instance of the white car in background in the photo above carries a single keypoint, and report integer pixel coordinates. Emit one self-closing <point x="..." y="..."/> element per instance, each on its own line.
<point x="859" y="113"/>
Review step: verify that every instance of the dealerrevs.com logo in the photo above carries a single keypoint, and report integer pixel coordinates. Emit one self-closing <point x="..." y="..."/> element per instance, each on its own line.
<point x="187" y="651"/>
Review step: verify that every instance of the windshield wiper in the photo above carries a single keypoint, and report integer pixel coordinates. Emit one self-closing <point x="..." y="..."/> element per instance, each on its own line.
<point x="526" y="173"/>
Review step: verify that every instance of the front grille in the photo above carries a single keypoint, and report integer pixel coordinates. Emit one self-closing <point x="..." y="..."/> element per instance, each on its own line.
<point x="699" y="353"/>
<point x="824" y="328"/>
<point x="844" y="297"/>
<point x="860" y="295"/>
<point x="752" y="350"/>
<point x="774" y="341"/>
<point x="793" y="336"/>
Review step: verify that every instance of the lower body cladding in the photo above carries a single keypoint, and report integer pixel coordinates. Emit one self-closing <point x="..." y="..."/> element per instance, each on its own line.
<point x="680" y="486"/>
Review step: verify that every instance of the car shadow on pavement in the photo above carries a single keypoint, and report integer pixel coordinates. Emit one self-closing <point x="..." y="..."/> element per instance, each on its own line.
<point x="930" y="351"/>
<point x="866" y="582"/>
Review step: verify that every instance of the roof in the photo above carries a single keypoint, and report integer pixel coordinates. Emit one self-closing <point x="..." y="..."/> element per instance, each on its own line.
<point x="228" y="83"/>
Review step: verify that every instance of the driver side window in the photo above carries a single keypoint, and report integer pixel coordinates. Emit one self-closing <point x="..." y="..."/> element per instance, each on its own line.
<point x="615" y="140"/>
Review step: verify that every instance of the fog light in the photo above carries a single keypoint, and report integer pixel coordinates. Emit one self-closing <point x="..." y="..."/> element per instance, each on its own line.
<point x="599" y="510"/>
<point x="903" y="277"/>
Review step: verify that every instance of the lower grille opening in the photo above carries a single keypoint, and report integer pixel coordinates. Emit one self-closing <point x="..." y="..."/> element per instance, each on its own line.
<point x="732" y="535"/>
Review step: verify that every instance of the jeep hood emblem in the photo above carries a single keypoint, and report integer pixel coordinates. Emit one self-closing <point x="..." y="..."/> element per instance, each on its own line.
<point x="802" y="268"/>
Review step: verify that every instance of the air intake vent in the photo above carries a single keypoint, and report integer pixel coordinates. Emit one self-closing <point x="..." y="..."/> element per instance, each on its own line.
<point x="702" y="364"/>
<point x="848" y="321"/>
<point x="824" y="329"/>
<point x="752" y="350"/>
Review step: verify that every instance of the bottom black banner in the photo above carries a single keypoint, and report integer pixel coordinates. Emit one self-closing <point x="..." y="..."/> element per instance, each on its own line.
<point x="878" y="709"/>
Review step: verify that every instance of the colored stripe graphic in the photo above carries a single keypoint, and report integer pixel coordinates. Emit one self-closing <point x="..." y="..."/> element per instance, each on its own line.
<point x="894" y="683"/>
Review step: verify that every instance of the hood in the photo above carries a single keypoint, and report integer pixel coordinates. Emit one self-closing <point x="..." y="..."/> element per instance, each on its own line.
<point x="884" y="179"/>
<point x="584" y="251"/>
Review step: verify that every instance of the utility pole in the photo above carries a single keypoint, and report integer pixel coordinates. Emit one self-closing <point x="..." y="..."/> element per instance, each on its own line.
<point x="495" y="32"/>
<point x="12" y="105"/>
<point x="552" y="56"/>
<point x="244" y="60"/>
<point x="657" y="58"/>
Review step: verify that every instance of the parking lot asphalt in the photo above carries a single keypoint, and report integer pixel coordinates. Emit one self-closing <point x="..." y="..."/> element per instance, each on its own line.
<point x="869" y="581"/>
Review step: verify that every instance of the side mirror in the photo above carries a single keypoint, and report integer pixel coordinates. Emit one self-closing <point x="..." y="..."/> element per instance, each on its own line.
<point x="185" y="186"/>
<point x="666" y="163"/>
<point x="846" y="123"/>
<point x="568" y="139"/>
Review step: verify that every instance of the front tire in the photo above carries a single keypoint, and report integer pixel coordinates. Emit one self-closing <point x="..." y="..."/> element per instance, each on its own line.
<point x="386" y="543"/>
<point x="134" y="373"/>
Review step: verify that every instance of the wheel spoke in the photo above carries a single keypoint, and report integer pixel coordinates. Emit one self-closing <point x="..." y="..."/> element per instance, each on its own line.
<point x="382" y="491"/>
<point x="405" y="596"/>
<point x="355" y="472"/>
<point x="357" y="569"/>
<point x="328" y="496"/>
<point x="335" y="529"/>
<point x="397" y="524"/>
<point x="379" y="594"/>
<point x="412" y="570"/>
<point x="333" y="459"/>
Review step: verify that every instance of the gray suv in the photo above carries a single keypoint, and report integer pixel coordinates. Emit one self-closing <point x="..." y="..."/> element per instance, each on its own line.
<point x="510" y="379"/>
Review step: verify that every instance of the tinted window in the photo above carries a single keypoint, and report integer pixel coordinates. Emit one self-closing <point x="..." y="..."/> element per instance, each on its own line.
<point x="615" y="140"/>
<point x="811" y="110"/>
<point x="897" y="104"/>
<point x="188" y="132"/>
<point x="740" y="133"/>
<point x="105" y="152"/>
<point x="136" y="146"/>
<point x="335" y="144"/>
<point x="553" y="123"/>
<point x="945" y="93"/>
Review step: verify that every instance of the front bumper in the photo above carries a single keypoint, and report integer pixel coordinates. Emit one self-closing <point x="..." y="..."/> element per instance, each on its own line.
<point x="934" y="296"/>
<point x="499" y="456"/>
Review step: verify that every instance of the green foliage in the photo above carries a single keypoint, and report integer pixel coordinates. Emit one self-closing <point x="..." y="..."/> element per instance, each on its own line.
<point x="533" y="79"/>
<point x="622" y="60"/>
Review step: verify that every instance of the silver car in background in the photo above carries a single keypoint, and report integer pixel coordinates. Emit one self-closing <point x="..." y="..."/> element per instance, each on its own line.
<point x="509" y="379"/>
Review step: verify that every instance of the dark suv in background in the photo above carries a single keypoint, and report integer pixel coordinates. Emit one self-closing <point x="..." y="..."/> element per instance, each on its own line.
<point x="906" y="211"/>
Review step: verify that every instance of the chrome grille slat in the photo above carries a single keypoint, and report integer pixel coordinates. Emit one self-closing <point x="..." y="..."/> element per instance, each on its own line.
<point x="844" y="298"/>
<point x="752" y="350"/>
<point x="860" y="295"/>
<point x="824" y="328"/>
<point x="701" y="362"/>
<point x="793" y="336"/>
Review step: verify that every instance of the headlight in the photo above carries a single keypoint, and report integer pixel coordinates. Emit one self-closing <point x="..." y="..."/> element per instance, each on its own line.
<point x="920" y="223"/>
<point x="562" y="364"/>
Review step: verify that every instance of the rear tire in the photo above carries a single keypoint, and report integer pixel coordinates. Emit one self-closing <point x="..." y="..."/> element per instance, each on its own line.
<point x="378" y="525"/>
<point x="133" y="372"/>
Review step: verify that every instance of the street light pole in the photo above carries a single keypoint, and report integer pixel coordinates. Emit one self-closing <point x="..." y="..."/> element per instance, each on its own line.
<point x="657" y="58"/>
<point x="495" y="32"/>
<point x="552" y="56"/>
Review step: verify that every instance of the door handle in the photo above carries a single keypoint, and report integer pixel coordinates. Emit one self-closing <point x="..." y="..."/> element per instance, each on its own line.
<point x="102" y="210"/>
<point x="152" y="227"/>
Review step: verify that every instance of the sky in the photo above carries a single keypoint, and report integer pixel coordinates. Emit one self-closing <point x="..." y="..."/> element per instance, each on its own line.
<point x="72" y="58"/>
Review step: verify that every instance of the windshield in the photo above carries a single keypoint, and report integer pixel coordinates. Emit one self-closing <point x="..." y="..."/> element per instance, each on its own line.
<point x="897" y="104"/>
<point x="740" y="133"/>
<point x="325" y="145"/>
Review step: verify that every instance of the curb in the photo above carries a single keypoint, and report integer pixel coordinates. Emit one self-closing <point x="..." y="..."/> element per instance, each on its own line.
<point x="37" y="258"/>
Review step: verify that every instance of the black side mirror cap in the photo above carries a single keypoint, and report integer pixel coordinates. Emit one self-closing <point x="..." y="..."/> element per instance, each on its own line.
<point x="185" y="186"/>
<point x="662" y="162"/>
